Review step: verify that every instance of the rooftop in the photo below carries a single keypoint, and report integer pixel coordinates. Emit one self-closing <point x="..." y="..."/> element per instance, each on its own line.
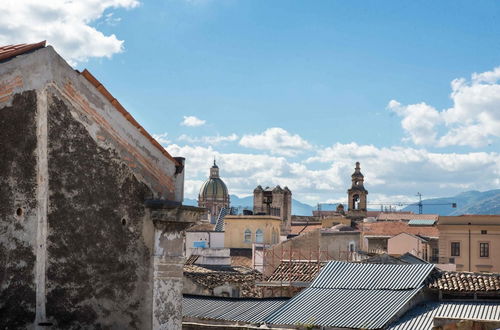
<point x="385" y="228"/>
<point x="348" y="295"/>
<point x="213" y="276"/>
<point x="465" y="282"/>
<point x="422" y="316"/>
<point x="473" y="219"/>
<point x="230" y="309"/>
<point x="10" y="51"/>
<point x="405" y="216"/>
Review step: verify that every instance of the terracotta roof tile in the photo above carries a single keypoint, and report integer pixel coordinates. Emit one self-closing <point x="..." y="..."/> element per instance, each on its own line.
<point x="301" y="229"/>
<point x="464" y="282"/>
<point x="100" y="87"/>
<point x="384" y="228"/>
<point x="397" y="216"/>
<point x="9" y="51"/>
<point x="296" y="271"/>
<point x="212" y="277"/>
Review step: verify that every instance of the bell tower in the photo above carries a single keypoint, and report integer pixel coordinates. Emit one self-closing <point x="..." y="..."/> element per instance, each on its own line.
<point x="357" y="196"/>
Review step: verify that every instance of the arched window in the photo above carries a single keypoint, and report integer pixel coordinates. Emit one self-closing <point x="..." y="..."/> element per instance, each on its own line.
<point x="259" y="236"/>
<point x="248" y="236"/>
<point x="275" y="237"/>
<point x="355" y="202"/>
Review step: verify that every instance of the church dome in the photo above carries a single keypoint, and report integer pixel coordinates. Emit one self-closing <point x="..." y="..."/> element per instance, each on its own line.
<point x="214" y="187"/>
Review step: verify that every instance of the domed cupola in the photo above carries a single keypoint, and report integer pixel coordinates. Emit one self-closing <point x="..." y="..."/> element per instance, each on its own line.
<point x="213" y="193"/>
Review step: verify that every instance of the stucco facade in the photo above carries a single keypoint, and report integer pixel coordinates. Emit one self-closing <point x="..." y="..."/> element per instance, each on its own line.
<point x="472" y="242"/>
<point x="241" y="231"/>
<point x="404" y="242"/>
<point x="80" y="247"/>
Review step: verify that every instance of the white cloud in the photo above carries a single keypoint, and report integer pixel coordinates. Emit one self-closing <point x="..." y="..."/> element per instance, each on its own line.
<point x="210" y="140"/>
<point x="192" y="121"/>
<point x="473" y="120"/>
<point x="419" y="121"/>
<point x="66" y="25"/>
<point x="390" y="173"/>
<point x="276" y="140"/>
<point x="162" y="138"/>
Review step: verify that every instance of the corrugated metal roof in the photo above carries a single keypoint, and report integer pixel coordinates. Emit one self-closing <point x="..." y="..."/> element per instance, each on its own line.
<point x="349" y="295"/>
<point x="366" y="309"/>
<point x="345" y="275"/>
<point x="219" y="226"/>
<point x="230" y="309"/>
<point x="421" y="222"/>
<point x="422" y="316"/>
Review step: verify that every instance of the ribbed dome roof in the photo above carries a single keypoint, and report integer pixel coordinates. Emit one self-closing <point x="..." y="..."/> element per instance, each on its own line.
<point x="213" y="188"/>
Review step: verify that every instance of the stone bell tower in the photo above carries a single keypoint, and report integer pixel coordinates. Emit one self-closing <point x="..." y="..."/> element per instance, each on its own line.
<point x="357" y="196"/>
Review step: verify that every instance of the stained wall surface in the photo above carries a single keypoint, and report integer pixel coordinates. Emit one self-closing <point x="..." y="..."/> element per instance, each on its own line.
<point x="76" y="243"/>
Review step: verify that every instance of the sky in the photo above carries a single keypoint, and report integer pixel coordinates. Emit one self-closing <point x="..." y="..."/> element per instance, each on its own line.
<point x="295" y="92"/>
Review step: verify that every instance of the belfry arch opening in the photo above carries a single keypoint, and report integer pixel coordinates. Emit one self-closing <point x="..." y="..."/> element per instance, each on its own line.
<point x="355" y="202"/>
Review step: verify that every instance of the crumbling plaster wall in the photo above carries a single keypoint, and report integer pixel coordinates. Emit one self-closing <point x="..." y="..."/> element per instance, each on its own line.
<point x="80" y="172"/>
<point x="18" y="209"/>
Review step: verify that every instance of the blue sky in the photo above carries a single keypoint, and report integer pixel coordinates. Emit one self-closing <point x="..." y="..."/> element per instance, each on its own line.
<point x="294" y="92"/>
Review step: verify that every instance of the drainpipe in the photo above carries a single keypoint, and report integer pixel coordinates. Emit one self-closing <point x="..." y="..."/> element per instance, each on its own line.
<point x="469" y="245"/>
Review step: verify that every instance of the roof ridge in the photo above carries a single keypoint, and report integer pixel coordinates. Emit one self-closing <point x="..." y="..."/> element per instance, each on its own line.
<point x="117" y="105"/>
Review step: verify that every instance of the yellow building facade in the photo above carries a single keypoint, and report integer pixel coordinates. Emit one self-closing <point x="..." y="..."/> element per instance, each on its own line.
<point x="241" y="231"/>
<point x="472" y="242"/>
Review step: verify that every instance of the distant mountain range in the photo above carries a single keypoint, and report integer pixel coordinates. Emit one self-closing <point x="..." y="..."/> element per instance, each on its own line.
<point x="298" y="208"/>
<point x="469" y="202"/>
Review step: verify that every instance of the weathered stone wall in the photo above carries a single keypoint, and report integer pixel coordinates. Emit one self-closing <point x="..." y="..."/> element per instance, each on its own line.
<point x="18" y="209"/>
<point x="76" y="240"/>
<point x="99" y="264"/>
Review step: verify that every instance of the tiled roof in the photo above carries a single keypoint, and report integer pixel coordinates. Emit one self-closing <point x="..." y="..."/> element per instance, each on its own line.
<point x="252" y="311"/>
<point x="422" y="316"/>
<point x="385" y="228"/>
<point x="465" y="282"/>
<point x="211" y="277"/>
<point x="397" y="216"/>
<point x="201" y="227"/>
<point x="9" y="51"/>
<point x="100" y="87"/>
<point x="296" y="271"/>
<point x="301" y="229"/>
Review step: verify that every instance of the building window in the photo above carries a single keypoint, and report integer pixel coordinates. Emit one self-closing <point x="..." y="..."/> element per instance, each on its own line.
<point x="455" y="249"/>
<point x="484" y="250"/>
<point x="352" y="246"/>
<point x="248" y="236"/>
<point x="275" y="236"/>
<point x="484" y="232"/>
<point x="259" y="236"/>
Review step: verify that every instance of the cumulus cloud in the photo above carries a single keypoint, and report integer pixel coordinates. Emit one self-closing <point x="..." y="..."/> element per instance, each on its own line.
<point x="390" y="173"/>
<point x="192" y="121"/>
<point x="276" y="140"/>
<point x="419" y="121"/>
<point x="473" y="120"/>
<point x="211" y="140"/>
<point x="66" y="25"/>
